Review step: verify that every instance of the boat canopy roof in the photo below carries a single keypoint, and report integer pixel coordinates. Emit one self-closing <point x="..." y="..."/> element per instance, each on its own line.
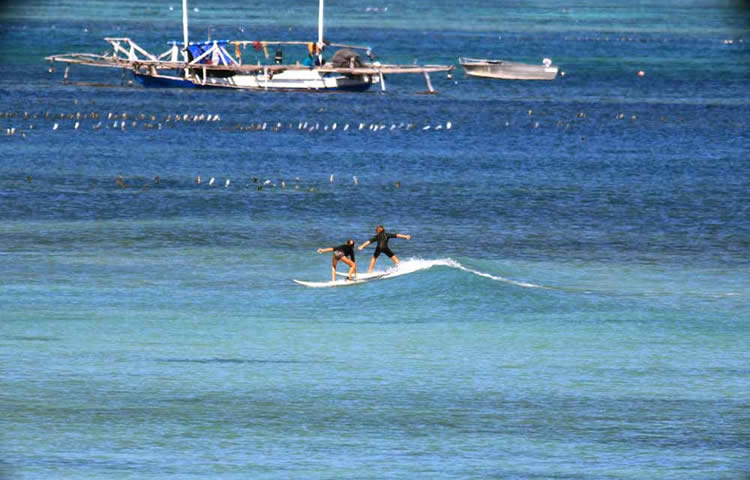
<point x="218" y="56"/>
<point x="207" y="43"/>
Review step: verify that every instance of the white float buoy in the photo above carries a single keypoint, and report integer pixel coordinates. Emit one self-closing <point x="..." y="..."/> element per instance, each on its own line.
<point x="356" y="181"/>
<point x="211" y="182"/>
<point x="448" y="125"/>
<point x="54" y="127"/>
<point x="331" y="179"/>
<point x="226" y="184"/>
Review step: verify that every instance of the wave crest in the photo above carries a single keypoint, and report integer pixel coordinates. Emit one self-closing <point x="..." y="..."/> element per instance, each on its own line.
<point x="412" y="265"/>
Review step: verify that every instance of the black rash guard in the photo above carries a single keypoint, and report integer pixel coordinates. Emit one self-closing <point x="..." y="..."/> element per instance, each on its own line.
<point x="382" y="240"/>
<point x="345" y="251"/>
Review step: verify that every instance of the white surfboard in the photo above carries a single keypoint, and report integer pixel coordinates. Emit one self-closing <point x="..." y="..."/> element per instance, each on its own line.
<point x="329" y="284"/>
<point x="366" y="276"/>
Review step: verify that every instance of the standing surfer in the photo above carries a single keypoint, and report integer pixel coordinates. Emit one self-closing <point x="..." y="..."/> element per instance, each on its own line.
<point x="345" y="253"/>
<point x="382" y="237"/>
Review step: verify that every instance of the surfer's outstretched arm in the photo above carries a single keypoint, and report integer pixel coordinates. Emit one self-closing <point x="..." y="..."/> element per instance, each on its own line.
<point x="364" y="245"/>
<point x="324" y="250"/>
<point x="405" y="237"/>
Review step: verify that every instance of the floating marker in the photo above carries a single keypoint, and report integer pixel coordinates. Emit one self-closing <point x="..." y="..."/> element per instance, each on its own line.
<point x="448" y="125"/>
<point x="331" y="178"/>
<point x="356" y="182"/>
<point x="226" y="184"/>
<point x="211" y="182"/>
<point x="54" y="127"/>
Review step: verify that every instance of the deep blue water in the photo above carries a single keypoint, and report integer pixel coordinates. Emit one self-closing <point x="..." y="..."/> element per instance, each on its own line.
<point x="573" y="302"/>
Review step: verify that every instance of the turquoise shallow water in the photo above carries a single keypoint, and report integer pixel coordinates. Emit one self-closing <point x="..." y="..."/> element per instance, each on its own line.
<point x="573" y="303"/>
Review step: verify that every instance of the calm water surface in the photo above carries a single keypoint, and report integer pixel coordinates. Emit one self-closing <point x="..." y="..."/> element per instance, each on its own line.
<point x="573" y="303"/>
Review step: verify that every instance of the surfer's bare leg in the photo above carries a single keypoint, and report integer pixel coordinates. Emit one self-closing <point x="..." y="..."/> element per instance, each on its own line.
<point x="372" y="264"/>
<point x="334" y="262"/>
<point x="395" y="260"/>
<point x="352" y="268"/>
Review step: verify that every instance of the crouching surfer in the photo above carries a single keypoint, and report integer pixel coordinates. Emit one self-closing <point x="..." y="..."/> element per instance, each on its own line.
<point x="344" y="253"/>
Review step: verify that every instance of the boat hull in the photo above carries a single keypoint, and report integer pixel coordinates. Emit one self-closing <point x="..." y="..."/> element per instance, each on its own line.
<point x="307" y="80"/>
<point x="163" y="81"/>
<point x="509" y="70"/>
<point x="290" y="80"/>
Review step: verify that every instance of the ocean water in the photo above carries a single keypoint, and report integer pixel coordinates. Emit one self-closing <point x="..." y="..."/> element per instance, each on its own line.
<point x="573" y="303"/>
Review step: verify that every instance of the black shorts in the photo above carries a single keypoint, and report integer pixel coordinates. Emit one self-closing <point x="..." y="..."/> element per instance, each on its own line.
<point x="385" y="250"/>
<point x="338" y="254"/>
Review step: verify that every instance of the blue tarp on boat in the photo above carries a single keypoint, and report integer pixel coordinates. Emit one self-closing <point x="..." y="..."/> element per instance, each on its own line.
<point x="196" y="49"/>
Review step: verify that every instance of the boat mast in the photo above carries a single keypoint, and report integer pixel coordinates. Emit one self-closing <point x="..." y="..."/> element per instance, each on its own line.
<point x="320" y="25"/>
<point x="184" y="24"/>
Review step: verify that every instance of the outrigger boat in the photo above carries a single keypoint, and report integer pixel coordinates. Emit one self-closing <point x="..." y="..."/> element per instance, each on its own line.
<point x="210" y="64"/>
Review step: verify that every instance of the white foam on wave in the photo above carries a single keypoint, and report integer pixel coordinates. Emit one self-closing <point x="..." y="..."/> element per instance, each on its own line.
<point x="412" y="265"/>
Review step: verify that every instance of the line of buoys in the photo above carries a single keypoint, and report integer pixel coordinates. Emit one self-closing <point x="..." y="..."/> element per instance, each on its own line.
<point x="198" y="180"/>
<point x="121" y="182"/>
<point x="643" y="39"/>
<point x="318" y="127"/>
<point x="126" y="122"/>
<point x="149" y="121"/>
